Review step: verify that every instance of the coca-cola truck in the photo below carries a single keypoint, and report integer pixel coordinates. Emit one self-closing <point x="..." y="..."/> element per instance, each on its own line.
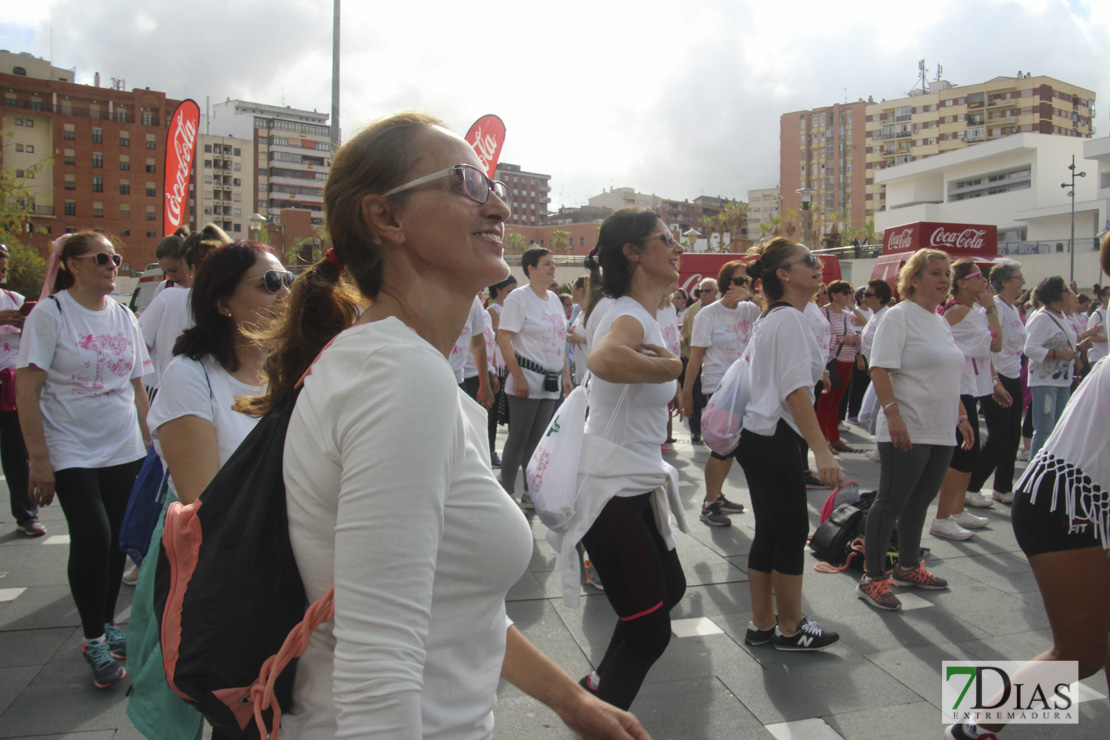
<point x="976" y="241"/>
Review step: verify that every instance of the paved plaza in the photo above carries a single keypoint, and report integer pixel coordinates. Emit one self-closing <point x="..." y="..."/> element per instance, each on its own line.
<point x="882" y="680"/>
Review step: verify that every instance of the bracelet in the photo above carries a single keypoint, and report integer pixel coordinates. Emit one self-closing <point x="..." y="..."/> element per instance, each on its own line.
<point x="892" y="403"/>
<point x="961" y="419"/>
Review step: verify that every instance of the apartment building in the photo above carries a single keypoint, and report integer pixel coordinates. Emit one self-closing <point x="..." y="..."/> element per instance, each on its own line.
<point x="840" y="164"/>
<point x="529" y="192"/>
<point x="223" y="183"/>
<point x="289" y="159"/>
<point x="91" y="157"/>
<point x="763" y="205"/>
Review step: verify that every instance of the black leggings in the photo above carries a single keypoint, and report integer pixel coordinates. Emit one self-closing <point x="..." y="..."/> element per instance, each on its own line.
<point x="777" y="486"/>
<point x="963" y="461"/>
<point x="13" y="457"/>
<point x="93" y="501"/>
<point x="643" y="581"/>
<point x="1003" y="440"/>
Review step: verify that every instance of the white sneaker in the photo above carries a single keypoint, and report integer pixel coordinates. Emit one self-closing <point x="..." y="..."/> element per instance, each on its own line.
<point x="1023" y="456"/>
<point x="949" y="530"/>
<point x="873" y="455"/>
<point x="1003" y="498"/>
<point x="967" y="520"/>
<point x="130" y="574"/>
<point x="844" y="427"/>
<point x="976" y="499"/>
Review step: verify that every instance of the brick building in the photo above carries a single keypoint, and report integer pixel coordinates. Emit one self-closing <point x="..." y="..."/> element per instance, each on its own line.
<point x="529" y="194"/>
<point x="92" y="157"/>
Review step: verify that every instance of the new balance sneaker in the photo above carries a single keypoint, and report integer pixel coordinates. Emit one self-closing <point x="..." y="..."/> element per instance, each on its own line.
<point x="106" y="670"/>
<point x="592" y="578"/>
<point x="117" y="640"/>
<point x="30" y="527"/>
<point x="812" y="481"/>
<point x="711" y="514"/>
<point x="978" y="500"/>
<point x="949" y="529"/>
<point x="1003" y="498"/>
<point x="809" y="637"/>
<point x="756" y="636"/>
<point x="730" y="507"/>
<point x="919" y="577"/>
<point x="968" y="731"/>
<point x="967" y="520"/>
<point x="878" y="594"/>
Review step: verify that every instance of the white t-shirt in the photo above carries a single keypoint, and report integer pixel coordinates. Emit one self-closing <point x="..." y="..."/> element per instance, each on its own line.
<point x="973" y="337"/>
<point x="462" y="360"/>
<point x="1045" y="332"/>
<point x="540" y="335"/>
<point x="494" y="360"/>
<point x="498" y="360"/>
<point x="596" y="317"/>
<point x="639" y="421"/>
<point x="9" y="335"/>
<point x="202" y="388"/>
<point x="819" y="325"/>
<point x="916" y="346"/>
<point x="87" y="401"/>
<point x="1007" y="361"/>
<point x="867" y="336"/>
<point x="409" y="523"/>
<point x="785" y="356"/>
<point x="667" y="318"/>
<point x="1098" y="348"/>
<point x="724" y="333"/>
<point x="162" y="322"/>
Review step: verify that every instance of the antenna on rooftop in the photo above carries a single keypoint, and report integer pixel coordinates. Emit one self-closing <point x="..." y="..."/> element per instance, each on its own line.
<point x="939" y="70"/>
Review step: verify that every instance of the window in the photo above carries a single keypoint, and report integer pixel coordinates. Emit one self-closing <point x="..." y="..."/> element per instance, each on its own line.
<point x="121" y="115"/>
<point x="97" y="159"/>
<point x="98" y="136"/>
<point x="124" y="138"/>
<point x="30" y="148"/>
<point x="70" y="156"/>
<point x="150" y="166"/>
<point x="68" y="132"/>
<point x="19" y="147"/>
<point x="148" y="118"/>
<point x="207" y="148"/>
<point x="19" y="122"/>
<point x="151" y="190"/>
<point x="71" y="208"/>
<point x="98" y="210"/>
<point x="125" y="187"/>
<point x="124" y="162"/>
<point x="236" y="228"/>
<point x="151" y="234"/>
<point x="10" y="99"/>
<point x="236" y="167"/>
<point x="71" y="182"/>
<point x="238" y="152"/>
<point x="30" y="122"/>
<point x="150" y="214"/>
<point x="151" y="142"/>
<point x="125" y="212"/>
<point x="98" y="184"/>
<point x="124" y="232"/>
<point x="236" y="182"/>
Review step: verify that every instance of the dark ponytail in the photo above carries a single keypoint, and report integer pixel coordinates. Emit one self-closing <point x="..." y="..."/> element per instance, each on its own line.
<point x="771" y="258"/>
<point x="609" y="268"/>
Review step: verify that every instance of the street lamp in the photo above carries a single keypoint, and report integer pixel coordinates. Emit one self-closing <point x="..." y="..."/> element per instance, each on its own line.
<point x="692" y="236"/>
<point x="807" y="196"/>
<point x="1070" y="187"/>
<point x="256" y="223"/>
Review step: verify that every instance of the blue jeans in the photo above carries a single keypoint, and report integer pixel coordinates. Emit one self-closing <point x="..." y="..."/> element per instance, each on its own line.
<point x="1048" y="404"/>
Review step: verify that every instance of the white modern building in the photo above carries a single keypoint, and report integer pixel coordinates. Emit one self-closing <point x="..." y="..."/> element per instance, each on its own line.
<point x="763" y="205"/>
<point x="225" y="193"/>
<point x="1014" y="183"/>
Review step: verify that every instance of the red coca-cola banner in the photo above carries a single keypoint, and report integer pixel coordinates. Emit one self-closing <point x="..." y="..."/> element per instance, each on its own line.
<point x="958" y="240"/>
<point x="487" y="136"/>
<point x="181" y="147"/>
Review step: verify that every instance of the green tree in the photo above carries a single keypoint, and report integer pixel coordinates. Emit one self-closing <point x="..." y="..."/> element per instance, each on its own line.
<point x="515" y="243"/>
<point x="25" y="267"/>
<point x="560" y="242"/>
<point x="734" y="217"/>
<point x="26" y="270"/>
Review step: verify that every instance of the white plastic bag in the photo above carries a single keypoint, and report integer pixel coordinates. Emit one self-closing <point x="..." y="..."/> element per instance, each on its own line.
<point x="869" y="409"/>
<point x="723" y="419"/>
<point x="552" y="472"/>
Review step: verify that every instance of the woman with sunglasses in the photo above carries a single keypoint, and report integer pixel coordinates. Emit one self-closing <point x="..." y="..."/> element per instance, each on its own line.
<point x="977" y="334"/>
<point x="195" y="429"/>
<point x="786" y="363"/>
<point x="82" y="408"/>
<point x="721" y="332"/>
<point x="532" y="335"/>
<point x="393" y="510"/>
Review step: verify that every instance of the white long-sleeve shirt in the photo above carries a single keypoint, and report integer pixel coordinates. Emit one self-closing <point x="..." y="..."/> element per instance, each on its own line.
<point x="391" y="498"/>
<point x="1046" y="331"/>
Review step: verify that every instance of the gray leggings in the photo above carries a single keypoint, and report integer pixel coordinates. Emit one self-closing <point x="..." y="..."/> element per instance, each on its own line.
<point x="528" y="418"/>
<point x="909" y="481"/>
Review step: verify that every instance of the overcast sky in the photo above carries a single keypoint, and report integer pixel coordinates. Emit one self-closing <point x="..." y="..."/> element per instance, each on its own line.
<point x="674" y="98"/>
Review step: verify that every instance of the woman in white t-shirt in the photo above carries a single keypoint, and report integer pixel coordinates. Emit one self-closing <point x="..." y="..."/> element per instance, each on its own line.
<point x="999" y="452"/>
<point x="82" y="407"/>
<point x="915" y="368"/>
<point x="721" y="333"/>
<point x="389" y="493"/>
<point x="196" y="428"/>
<point x="1098" y="320"/>
<point x="632" y="380"/>
<point x="13" y="453"/>
<point x="786" y="364"/>
<point x="533" y="339"/>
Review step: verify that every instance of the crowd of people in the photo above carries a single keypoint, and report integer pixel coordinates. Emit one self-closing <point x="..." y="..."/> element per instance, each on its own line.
<point x="390" y="326"/>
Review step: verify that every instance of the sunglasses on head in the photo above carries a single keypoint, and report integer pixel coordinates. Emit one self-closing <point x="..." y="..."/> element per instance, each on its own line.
<point x="103" y="258"/>
<point x="475" y="184"/>
<point x="272" y="280"/>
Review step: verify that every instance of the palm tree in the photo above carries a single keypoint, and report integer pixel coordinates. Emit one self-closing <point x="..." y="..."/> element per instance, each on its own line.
<point x="515" y="243"/>
<point x="560" y="241"/>
<point x="734" y="217"/>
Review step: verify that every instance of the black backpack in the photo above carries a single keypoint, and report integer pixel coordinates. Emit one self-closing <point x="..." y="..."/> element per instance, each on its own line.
<point x="832" y="542"/>
<point x="228" y="594"/>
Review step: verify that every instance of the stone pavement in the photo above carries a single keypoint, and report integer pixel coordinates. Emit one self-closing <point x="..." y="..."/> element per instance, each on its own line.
<point x="881" y="681"/>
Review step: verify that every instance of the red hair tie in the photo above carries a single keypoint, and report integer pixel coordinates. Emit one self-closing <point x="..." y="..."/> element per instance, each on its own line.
<point x="334" y="258"/>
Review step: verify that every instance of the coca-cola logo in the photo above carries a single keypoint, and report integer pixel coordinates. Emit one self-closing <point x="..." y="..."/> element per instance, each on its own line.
<point x="487" y="136"/>
<point x="901" y="240"/>
<point x="965" y="239"/>
<point x="179" y="160"/>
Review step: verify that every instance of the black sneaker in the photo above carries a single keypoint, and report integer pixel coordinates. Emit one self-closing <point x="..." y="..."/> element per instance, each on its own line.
<point x="809" y="637"/>
<point x="117" y="640"/>
<point x="730" y="507"/>
<point x="812" y="481"/>
<point x="695" y="439"/>
<point x="584" y="682"/>
<point x="711" y="514"/>
<point x="756" y="636"/>
<point x="106" y="670"/>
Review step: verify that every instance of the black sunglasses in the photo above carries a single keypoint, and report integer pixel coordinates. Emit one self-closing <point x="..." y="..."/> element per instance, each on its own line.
<point x="809" y="259"/>
<point x="869" y="295"/>
<point x="102" y="258"/>
<point x="272" y="280"/>
<point x="740" y="281"/>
